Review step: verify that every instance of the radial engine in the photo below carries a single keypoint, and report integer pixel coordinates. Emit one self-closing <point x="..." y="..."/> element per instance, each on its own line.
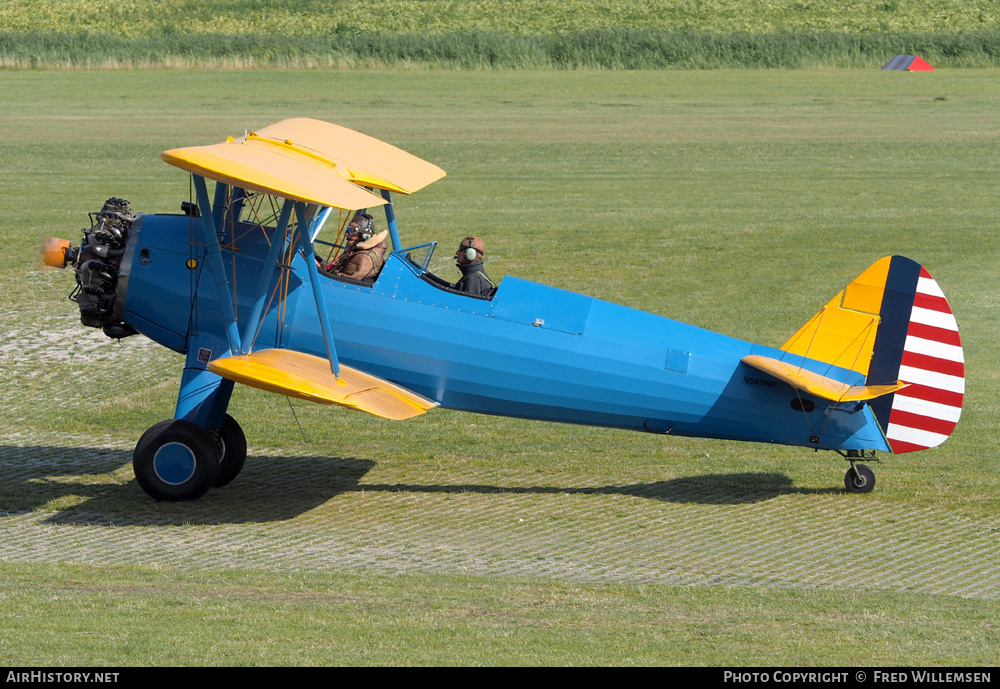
<point x="101" y="262"/>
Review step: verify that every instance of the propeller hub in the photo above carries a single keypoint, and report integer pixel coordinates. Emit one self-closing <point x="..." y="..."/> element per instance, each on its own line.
<point x="55" y="252"/>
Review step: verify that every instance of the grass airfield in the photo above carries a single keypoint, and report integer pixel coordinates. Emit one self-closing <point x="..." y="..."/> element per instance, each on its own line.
<point x="739" y="201"/>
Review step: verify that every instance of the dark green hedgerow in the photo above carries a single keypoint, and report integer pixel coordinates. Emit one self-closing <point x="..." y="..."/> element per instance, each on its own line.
<point x="605" y="49"/>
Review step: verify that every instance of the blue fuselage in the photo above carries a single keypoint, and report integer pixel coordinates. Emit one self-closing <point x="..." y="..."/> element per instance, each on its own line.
<point x="532" y="351"/>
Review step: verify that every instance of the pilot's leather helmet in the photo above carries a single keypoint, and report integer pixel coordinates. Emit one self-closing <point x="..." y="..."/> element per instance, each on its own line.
<point x="471" y="249"/>
<point x="362" y="227"/>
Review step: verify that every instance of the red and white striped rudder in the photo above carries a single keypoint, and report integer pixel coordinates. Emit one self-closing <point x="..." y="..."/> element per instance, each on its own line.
<point x="926" y="353"/>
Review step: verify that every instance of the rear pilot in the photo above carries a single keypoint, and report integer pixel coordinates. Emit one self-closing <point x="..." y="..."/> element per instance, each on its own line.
<point x="469" y="259"/>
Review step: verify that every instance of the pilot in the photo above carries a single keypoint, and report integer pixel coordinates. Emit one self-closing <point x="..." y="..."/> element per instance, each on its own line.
<point x="469" y="259"/>
<point x="365" y="253"/>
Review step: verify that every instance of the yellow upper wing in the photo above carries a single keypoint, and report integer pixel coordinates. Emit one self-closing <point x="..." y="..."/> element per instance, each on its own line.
<point x="309" y="160"/>
<point x="364" y="159"/>
<point x="272" y="171"/>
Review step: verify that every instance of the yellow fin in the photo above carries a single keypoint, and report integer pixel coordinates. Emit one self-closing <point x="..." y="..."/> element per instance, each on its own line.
<point x="843" y="332"/>
<point x="816" y="384"/>
<point x="308" y="377"/>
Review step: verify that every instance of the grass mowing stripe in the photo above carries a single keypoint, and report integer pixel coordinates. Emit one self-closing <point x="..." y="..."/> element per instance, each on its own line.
<point x="149" y="617"/>
<point x="526" y="525"/>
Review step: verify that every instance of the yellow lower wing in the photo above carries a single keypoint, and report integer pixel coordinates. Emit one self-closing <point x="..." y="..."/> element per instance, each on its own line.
<point x="815" y="384"/>
<point x="308" y="377"/>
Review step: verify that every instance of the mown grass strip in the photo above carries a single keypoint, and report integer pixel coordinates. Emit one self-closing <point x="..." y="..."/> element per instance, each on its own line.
<point x="146" y="617"/>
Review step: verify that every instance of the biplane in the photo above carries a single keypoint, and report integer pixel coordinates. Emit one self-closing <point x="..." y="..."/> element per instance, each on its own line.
<point x="232" y="283"/>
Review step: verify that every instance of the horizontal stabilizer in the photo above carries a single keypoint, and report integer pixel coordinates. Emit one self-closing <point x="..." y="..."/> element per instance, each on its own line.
<point x="308" y="377"/>
<point x="816" y="384"/>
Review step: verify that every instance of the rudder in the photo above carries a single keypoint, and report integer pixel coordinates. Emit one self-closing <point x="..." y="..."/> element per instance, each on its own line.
<point x="917" y="342"/>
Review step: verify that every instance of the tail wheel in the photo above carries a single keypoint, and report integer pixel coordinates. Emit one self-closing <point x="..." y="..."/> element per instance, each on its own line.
<point x="175" y="460"/>
<point x="859" y="479"/>
<point x="232" y="445"/>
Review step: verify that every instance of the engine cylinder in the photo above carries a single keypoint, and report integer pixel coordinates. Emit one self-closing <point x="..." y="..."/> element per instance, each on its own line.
<point x="98" y="262"/>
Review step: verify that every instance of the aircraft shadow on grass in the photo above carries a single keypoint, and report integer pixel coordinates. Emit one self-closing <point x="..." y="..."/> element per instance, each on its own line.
<point x="707" y="489"/>
<point x="281" y="488"/>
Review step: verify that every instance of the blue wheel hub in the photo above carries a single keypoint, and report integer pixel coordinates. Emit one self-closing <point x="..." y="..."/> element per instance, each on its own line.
<point x="174" y="463"/>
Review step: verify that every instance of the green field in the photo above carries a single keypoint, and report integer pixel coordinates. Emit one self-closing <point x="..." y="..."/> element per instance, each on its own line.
<point x="736" y="200"/>
<point x="496" y="34"/>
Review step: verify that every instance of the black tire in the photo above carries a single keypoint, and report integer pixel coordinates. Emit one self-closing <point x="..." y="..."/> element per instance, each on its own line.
<point x="861" y="482"/>
<point x="175" y="460"/>
<point x="232" y="445"/>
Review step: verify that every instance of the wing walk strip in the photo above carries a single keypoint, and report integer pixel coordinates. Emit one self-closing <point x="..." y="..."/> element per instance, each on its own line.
<point x="924" y="414"/>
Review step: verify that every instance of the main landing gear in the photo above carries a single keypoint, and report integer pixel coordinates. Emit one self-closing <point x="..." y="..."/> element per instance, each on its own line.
<point x="179" y="460"/>
<point x="859" y="478"/>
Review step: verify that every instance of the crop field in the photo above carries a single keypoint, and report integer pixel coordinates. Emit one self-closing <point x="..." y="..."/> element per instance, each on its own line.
<point x="735" y="200"/>
<point x="496" y="34"/>
<point x="525" y="17"/>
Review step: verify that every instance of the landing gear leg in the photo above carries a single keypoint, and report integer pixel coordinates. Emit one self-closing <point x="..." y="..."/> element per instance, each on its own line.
<point x="180" y="459"/>
<point x="175" y="460"/>
<point x="859" y="478"/>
